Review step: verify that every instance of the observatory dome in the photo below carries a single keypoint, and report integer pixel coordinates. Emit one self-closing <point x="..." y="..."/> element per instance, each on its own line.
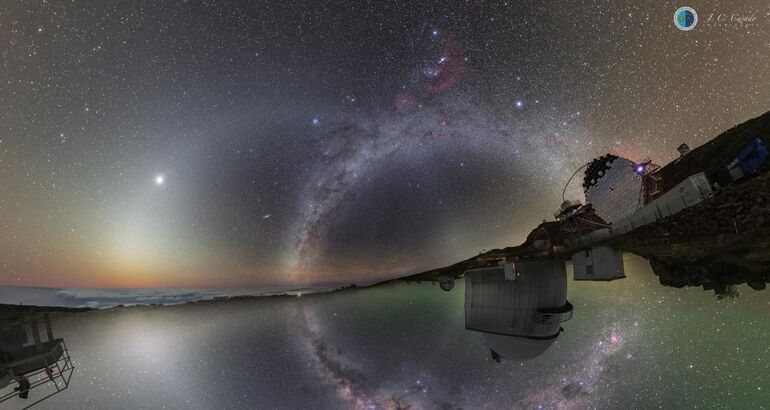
<point x="517" y="348"/>
<point x="518" y="309"/>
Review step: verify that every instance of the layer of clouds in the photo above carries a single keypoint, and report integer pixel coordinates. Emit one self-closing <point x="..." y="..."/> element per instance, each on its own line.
<point x="106" y="298"/>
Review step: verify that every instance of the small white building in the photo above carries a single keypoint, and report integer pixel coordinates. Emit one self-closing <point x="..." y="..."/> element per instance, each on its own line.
<point x="598" y="263"/>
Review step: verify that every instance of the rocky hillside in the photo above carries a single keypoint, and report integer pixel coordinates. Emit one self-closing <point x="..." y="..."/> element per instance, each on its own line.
<point x="719" y="242"/>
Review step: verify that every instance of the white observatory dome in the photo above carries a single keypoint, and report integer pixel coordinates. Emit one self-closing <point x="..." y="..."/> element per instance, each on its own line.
<point x="520" y="315"/>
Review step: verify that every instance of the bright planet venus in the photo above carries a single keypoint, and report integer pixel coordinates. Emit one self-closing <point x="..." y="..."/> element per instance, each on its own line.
<point x="382" y="138"/>
<point x="193" y="149"/>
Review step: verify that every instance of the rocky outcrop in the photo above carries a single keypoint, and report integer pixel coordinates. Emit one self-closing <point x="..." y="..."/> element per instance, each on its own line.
<point x="720" y="242"/>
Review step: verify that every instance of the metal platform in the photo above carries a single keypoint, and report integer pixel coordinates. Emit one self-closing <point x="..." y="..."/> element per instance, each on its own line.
<point x="31" y="369"/>
<point x="50" y="379"/>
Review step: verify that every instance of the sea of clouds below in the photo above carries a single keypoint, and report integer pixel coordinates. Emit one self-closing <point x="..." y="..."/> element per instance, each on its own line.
<point x="106" y="298"/>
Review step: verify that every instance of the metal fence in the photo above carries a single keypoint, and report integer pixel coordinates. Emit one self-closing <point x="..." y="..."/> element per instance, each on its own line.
<point x="692" y="191"/>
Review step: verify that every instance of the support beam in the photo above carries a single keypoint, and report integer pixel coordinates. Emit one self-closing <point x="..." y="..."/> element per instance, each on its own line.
<point x="36" y="333"/>
<point x="48" y="328"/>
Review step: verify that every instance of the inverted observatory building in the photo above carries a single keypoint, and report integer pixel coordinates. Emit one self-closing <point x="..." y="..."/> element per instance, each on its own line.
<point x="518" y="307"/>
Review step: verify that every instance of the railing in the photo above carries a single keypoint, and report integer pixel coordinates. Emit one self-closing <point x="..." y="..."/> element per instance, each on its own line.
<point x="554" y="315"/>
<point x="670" y="203"/>
<point x="57" y="373"/>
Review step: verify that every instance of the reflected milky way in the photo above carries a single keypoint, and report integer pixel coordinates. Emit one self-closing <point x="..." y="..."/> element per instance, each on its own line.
<point x="631" y="344"/>
<point x="350" y="384"/>
<point x="573" y="390"/>
<point x="167" y="152"/>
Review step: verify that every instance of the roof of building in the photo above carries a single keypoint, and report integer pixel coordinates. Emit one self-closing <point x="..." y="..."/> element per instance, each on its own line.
<point x="717" y="153"/>
<point x="546" y="231"/>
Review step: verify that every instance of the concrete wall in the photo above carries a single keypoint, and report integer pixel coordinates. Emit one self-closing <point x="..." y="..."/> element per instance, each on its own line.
<point x="689" y="192"/>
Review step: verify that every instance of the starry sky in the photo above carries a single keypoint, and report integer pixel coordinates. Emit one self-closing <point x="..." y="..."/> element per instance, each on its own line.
<point x="199" y="144"/>
<point x="630" y="344"/>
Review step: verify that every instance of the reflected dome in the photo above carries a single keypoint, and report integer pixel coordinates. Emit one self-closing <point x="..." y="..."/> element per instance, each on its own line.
<point x="518" y="307"/>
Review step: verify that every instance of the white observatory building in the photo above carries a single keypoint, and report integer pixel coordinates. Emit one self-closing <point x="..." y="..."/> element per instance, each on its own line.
<point x="518" y="307"/>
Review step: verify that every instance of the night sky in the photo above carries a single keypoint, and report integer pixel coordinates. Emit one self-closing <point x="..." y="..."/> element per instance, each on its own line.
<point x="286" y="143"/>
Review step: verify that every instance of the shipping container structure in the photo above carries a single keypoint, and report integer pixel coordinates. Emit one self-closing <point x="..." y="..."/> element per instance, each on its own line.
<point x="598" y="263"/>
